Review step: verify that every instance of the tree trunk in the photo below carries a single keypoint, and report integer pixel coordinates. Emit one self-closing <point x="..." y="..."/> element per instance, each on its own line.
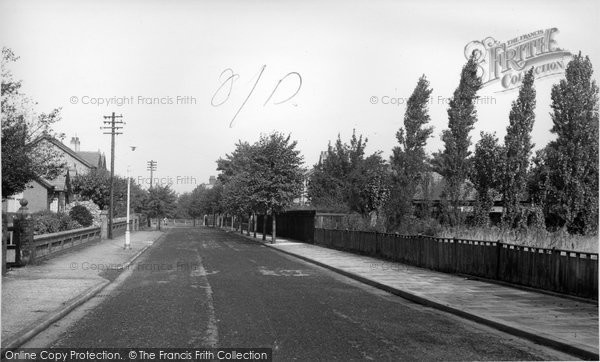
<point x="254" y="222"/>
<point x="274" y="231"/>
<point x="264" y="230"/>
<point x="249" y="220"/>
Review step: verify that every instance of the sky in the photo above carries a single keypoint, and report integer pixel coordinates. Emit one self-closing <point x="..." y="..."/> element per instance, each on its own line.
<point x="192" y="78"/>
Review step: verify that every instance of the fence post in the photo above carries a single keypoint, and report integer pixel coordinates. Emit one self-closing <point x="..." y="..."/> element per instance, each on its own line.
<point x="498" y="258"/>
<point x="23" y="235"/>
<point x="455" y="253"/>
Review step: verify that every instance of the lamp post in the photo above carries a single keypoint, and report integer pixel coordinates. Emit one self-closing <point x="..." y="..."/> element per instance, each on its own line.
<point x="127" y="231"/>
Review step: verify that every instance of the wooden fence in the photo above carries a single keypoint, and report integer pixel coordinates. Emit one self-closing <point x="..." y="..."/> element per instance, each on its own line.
<point x="574" y="273"/>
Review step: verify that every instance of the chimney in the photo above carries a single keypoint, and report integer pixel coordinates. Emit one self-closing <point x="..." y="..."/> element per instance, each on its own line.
<point x="212" y="180"/>
<point x="75" y="143"/>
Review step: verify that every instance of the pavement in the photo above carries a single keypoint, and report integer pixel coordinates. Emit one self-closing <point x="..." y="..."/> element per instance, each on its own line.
<point x="567" y="324"/>
<point x="35" y="296"/>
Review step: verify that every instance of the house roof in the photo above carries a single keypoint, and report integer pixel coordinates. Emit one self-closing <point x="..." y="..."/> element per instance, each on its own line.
<point x="436" y="188"/>
<point x="42" y="181"/>
<point x="64" y="148"/>
<point x="60" y="183"/>
<point x="94" y="158"/>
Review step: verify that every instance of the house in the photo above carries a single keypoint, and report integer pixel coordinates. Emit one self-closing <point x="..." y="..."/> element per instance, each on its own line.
<point x="44" y="194"/>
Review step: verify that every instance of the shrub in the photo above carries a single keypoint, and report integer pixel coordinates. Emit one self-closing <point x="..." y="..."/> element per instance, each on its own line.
<point x="90" y="206"/>
<point x="82" y="215"/>
<point x="46" y="222"/>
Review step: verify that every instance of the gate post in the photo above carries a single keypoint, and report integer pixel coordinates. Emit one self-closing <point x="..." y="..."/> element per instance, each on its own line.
<point x="4" y="241"/>
<point x="104" y="224"/>
<point x="23" y="234"/>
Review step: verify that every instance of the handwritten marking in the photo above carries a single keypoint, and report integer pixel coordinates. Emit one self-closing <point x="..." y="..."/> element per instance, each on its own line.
<point x="232" y="76"/>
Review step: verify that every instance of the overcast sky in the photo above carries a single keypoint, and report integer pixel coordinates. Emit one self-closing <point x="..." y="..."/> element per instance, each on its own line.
<point x="345" y="52"/>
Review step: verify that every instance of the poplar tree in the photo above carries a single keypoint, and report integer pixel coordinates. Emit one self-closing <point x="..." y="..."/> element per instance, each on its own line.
<point x="517" y="151"/>
<point x="572" y="159"/>
<point x="408" y="160"/>
<point x="453" y="162"/>
<point x="486" y="175"/>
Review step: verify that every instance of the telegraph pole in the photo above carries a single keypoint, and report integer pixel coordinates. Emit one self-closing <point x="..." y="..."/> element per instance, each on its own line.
<point x="113" y="125"/>
<point x="151" y="168"/>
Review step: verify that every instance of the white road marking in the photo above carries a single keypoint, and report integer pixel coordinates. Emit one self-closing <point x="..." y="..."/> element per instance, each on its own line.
<point x="199" y="280"/>
<point x="282" y="272"/>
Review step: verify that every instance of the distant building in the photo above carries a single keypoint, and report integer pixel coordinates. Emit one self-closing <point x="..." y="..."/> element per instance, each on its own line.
<point x="44" y="194"/>
<point x="212" y="180"/>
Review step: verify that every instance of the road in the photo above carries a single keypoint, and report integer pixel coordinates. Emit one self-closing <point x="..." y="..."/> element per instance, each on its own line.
<point x="208" y="288"/>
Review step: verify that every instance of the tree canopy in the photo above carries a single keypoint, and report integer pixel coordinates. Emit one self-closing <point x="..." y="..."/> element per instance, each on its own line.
<point x="23" y="159"/>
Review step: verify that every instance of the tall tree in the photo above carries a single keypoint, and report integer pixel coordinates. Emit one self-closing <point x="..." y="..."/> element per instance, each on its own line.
<point x="339" y="181"/>
<point x="241" y="177"/>
<point x="517" y="150"/>
<point x="370" y="188"/>
<point x="281" y="175"/>
<point x="453" y="162"/>
<point x="408" y="160"/>
<point x="486" y="174"/>
<point x="22" y="159"/>
<point x="161" y="202"/>
<point x="572" y="159"/>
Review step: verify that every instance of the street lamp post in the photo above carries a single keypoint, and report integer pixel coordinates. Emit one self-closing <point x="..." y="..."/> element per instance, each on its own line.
<point x="127" y="231"/>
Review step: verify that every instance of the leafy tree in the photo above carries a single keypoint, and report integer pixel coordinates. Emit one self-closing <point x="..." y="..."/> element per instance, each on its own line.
<point x="23" y="159"/>
<point x="183" y="203"/>
<point x="571" y="161"/>
<point x="197" y="204"/>
<point x="280" y="174"/>
<point x="241" y="178"/>
<point x="208" y="201"/>
<point x="370" y="187"/>
<point x="95" y="186"/>
<point x="161" y="202"/>
<point x="262" y="177"/>
<point x="453" y="162"/>
<point x="517" y="150"/>
<point x="485" y="175"/>
<point x="408" y="160"/>
<point x="340" y="181"/>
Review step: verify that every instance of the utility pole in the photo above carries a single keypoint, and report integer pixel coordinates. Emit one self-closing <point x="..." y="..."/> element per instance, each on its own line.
<point x="151" y="168"/>
<point x="113" y="126"/>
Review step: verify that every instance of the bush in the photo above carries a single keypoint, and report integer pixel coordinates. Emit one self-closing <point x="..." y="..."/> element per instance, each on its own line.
<point x="46" y="222"/>
<point x="82" y="215"/>
<point x="415" y="226"/>
<point x="90" y="206"/>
